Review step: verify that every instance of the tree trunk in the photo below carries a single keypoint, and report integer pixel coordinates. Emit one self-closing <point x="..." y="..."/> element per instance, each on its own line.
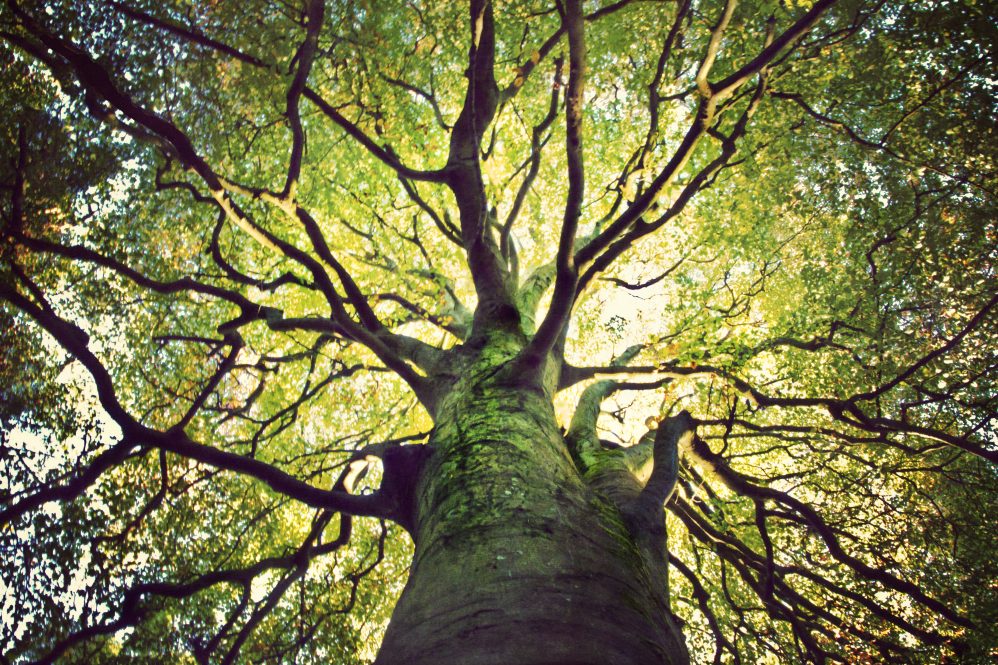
<point x="517" y="560"/>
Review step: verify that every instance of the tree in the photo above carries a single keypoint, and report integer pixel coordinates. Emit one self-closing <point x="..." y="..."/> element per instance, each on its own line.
<point x="616" y="332"/>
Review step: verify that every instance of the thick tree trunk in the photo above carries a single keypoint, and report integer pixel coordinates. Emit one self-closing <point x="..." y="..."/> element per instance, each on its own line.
<point x="518" y="561"/>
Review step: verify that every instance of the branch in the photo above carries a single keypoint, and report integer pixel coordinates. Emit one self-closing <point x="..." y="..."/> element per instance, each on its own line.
<point x="428" y="96"/>
<point x="488" y="271"/>
<point x="443" y="224"/>
<point x="974" y="322"/>
<point x="869" y="144"/>
<point x="371" y="333"/>
<point x="710" y="97"/>
<point x="713" y="44"/>
<point x="189" y="34"/>
<point x="844" y="410"/>
<point x="672" y="434"/>
<point x="736" y="79"/>
<point x="75" y="341"/>
<point x="581" y="434"/>
<point x="566" y="273"/>
<point x="587" y="409"/>
<point x="75" y="487"/>
<point x="196" y="37"/>
<point x="791" y="605"/>
<point x="534" y="161"/>
<point x="703" y="602"/>
<point x="241" y="278"/>
<point x="711" y="462"/>
<point x="315" y="11"/>
<point x="385" y="156"/>
<point x="96" y="79"/>
<point x="132" y="613"/>
<point x="249" y="309"/>
<point x="523" y="71"/>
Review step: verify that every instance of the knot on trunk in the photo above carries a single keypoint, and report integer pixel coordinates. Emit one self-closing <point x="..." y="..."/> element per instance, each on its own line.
<point x="403" y="465"/>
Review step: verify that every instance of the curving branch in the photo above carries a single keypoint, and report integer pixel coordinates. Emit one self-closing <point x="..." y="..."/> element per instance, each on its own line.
<point x="786" y="603"/>
<point x="195" y="36"/>
<point x="314" y="13"/>
<point x="673" y="434"/>
<point x="174" y="440"/>
<point x="249" y="310"/>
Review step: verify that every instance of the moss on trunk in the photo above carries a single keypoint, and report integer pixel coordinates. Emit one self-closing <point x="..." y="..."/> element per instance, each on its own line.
<point x="517" y="559"/>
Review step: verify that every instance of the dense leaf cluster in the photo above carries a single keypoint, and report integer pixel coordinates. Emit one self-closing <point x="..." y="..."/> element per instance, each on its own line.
<point x="236" y="236"/>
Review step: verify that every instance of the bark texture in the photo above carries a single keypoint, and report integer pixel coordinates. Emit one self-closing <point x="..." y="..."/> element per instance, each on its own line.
<point x="518" y="560"/>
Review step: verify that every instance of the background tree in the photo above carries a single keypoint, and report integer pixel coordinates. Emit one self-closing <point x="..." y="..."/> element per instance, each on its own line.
<point x="510" y="280"/>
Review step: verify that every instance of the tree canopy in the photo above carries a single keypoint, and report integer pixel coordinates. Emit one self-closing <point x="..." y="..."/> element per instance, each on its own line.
<point x="238" y="240"/>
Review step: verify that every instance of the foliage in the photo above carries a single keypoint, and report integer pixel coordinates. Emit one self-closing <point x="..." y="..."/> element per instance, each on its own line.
<point x="229" y="227"/>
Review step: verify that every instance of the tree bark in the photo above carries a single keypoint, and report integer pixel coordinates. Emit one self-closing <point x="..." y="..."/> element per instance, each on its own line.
<point x="517" y="559"/>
